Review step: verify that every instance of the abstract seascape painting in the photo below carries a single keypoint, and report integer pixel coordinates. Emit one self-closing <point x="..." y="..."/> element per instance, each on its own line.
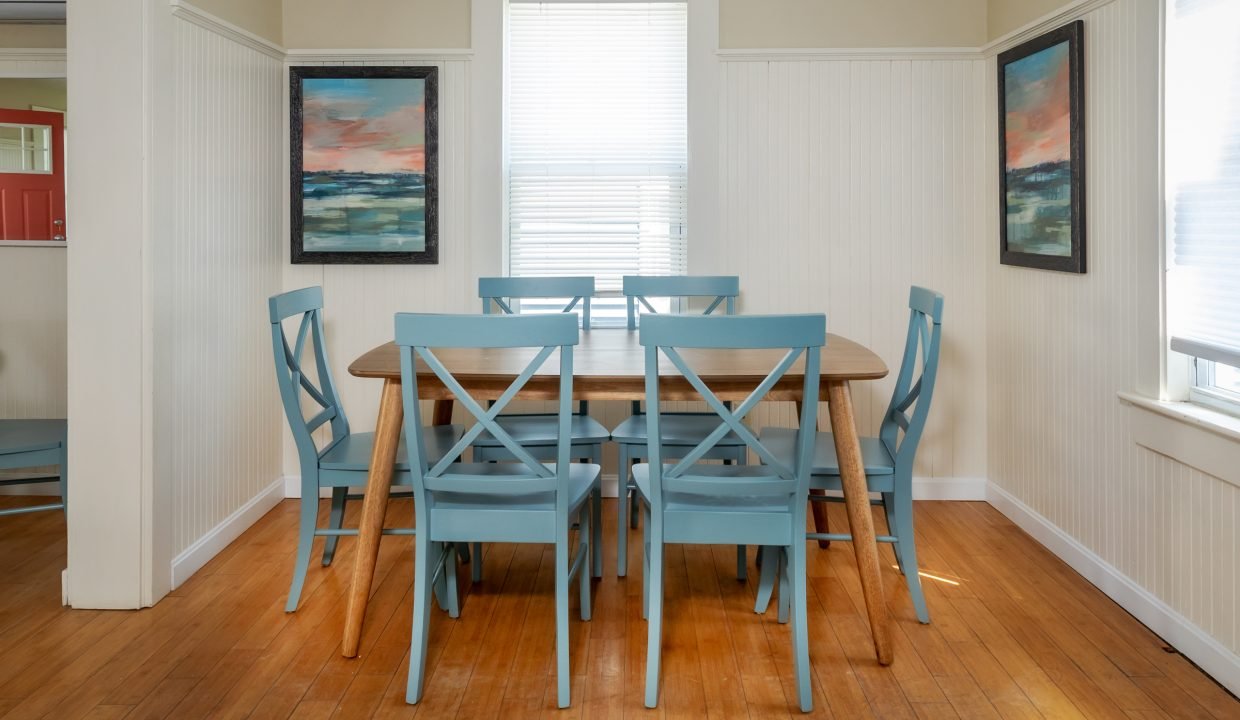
<point x="1042" y="153"/>
<point x="363" y="160"/>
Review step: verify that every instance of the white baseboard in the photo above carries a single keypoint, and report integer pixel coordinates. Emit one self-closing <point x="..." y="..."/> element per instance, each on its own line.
<point x="219" y="537"/>
<point x="1191" y="641"/>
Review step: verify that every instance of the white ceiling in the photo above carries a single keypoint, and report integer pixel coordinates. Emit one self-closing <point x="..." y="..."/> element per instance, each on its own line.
<point x="46" y="11"/>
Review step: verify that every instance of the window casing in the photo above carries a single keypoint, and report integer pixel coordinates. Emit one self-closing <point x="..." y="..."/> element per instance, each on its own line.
<point x="597" y="142"/>
<point x="1202" y="152"/>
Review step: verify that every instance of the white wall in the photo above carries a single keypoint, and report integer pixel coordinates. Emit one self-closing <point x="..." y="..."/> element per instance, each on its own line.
<point x="1061" y="346"/>
<point x="842" y="183"/>
<point x="33" y="301"/>
<point x="217" y="414"/>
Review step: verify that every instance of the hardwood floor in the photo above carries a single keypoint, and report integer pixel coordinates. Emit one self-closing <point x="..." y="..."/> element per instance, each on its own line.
<point x="1015" y="633"/>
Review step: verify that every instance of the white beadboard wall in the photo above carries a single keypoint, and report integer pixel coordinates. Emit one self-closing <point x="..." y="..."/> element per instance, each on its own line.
<point x="33" y="337"/>
<point x="1061" y="346"/>
<point x="216" y="408"/>
<point x="844" y="181"/>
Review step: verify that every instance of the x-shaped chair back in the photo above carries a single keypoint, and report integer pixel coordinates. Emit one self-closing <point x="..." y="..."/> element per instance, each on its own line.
<point x="914" y="390"/>
<point x="800" y="336"/>
<point x="501" y="291"/>
<point x="417" y="335"/>
<point x="290" y="376"/>
<point x="637" y="288"/>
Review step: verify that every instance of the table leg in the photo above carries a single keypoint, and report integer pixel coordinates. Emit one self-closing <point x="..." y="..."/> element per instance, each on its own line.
<point x="819" y="509"/>
<point x="441" y="414"/>
<point x="860" y="521"/>
<point x="374" y="507"/>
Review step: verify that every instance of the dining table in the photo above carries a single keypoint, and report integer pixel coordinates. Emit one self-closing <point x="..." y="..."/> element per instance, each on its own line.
<point x="609" y="364"/>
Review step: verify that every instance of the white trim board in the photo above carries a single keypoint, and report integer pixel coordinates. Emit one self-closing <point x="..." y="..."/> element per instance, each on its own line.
<point x="1191" y="641"/>
<point x="33" y="62"/>
<point x="842" y="54"/>
<point x="292" y="57"/>
<point x="221" y="536"/>
<point x="196" y="15"/>
<point x="1065" y="14"/>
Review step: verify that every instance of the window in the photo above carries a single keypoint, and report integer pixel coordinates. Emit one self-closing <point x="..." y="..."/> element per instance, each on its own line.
<point x="1203" y="194"/>
<point x="597" y="155"/>
<point x="25" y="148"/>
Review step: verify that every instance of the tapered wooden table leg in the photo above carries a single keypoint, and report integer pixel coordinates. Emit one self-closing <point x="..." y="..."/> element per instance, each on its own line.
<point x="821" y="523"/>
<point x="860" y="521"/>
<point x="442" y="412"/>
<point x="374" y="507"/>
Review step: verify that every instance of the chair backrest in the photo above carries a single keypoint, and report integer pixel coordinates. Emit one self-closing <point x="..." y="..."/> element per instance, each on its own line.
<point x="500" y="291"/>
<point x="800" y="336"/>
<point x="308" y="303"/>
<point x="921" y="349"/>
<point x="637" y="288"/>
<point x="418" y="335"/>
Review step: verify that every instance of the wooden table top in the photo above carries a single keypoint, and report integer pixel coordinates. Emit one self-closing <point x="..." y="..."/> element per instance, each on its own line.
<point x="610" y="365"/>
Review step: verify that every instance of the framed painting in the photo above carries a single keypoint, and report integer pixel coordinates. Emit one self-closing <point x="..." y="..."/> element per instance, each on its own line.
<point x="1042" y="152"/>
<point x="365" y="175"/>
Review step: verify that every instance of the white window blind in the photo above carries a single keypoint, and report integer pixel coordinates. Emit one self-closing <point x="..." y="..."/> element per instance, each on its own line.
<point x="1203" y="177"/>
<point x="597" y="139"/>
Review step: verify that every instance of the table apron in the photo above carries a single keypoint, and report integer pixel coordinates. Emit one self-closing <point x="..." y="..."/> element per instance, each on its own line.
<point x="669" y="390"/>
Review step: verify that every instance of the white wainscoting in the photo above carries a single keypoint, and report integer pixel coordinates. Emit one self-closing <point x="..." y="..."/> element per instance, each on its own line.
<point x="844" y="181"/>
<point x="217" y="413"/>
<point x="1061" y="346"/>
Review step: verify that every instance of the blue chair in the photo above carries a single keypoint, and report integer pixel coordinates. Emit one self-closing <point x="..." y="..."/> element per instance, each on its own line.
<point x="683" y="430"/>
<point x="539" y="432"/>
<point x="344" y="462"/>
<point x="693" y="502"/>
<point x="524" y="501"/>
<point x="889" y="457"/>
<point x="31" y="444"/>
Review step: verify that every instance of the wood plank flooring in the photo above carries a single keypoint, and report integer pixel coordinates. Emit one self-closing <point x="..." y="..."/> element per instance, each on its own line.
<point x="1015" y="634"/>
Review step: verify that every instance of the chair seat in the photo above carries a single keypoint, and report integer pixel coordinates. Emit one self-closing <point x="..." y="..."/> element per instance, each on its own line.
<point x="582" y="478"/>
<point x="679" y="501"/>
<point x="22" y="436"/>
<point x="353" y="452"/>
<point x="675" y="429"/>
<point x="781" y="442"/>
<point x="528" y="430"/>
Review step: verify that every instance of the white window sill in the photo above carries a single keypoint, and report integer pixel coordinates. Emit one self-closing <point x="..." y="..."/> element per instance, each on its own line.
<point x="1191" y="434"/>
<point x="34" y="243"/>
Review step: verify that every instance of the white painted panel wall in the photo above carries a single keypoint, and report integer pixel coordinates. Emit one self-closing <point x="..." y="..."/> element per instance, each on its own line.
<point x="842" y="183"/>
<point x="33" y="300"/>
<point x="1060" y="346"/>
<point x="217" y="421"/>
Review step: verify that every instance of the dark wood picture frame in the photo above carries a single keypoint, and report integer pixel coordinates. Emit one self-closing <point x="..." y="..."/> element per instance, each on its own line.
<point x="299" y="255"/>
<point x="1073" y="34"/>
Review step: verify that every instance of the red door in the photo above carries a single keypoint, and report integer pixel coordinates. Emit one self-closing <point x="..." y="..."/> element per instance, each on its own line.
<point x="32" y="175"/>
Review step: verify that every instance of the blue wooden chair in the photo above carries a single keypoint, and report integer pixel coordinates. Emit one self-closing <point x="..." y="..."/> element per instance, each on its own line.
<point x="31" y="444"/>
<point x="538" y="433"/>
<point x="693" y="502"/>
<point x="683" y="430"/>
<point x="344" y="462"/>
<point x="889" y="457"/>
<point x="524" y="501"/>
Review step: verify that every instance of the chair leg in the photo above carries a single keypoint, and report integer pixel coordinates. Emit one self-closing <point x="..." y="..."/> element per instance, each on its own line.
<point x="622" y="510"/>
<point x="907" y="552"/>
<point x="422" y="572"/>
<point x="596" y="532"/>
<point x="340" y="496"/>
<point x="795" y="558"/>
<point x="563" y="680"/>
<point x="645" y="561"/>
<point x="305" y="541"/>
<point x="451" y="600"/>
<point x="785" y="596"/>
<point x="585" y="535"/>
<point x="742" y="563"/>
<point x="64" y="477"/>
<point x="475" y="563"/>
<point x="654" y="624"/>
<point x="633" y="509"/>
<point x="767" y="570"/>
<point x="889" y="510"/>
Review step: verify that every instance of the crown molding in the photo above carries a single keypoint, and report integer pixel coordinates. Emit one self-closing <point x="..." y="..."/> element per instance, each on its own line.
<point x="839" y="54"/>
<point x="196" y="15"/>
<point x="1066" y="14"/>
<point x="332" y="55"/>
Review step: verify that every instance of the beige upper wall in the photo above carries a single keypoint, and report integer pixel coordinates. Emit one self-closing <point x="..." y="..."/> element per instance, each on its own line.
<point x="374" y="24"/>
<point x="14" y="35"/>
<point x="264" y="18"/>
<point x="851" y="23"/>
<point x="21" y="93"/>
<point x="1004" y="16"/>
